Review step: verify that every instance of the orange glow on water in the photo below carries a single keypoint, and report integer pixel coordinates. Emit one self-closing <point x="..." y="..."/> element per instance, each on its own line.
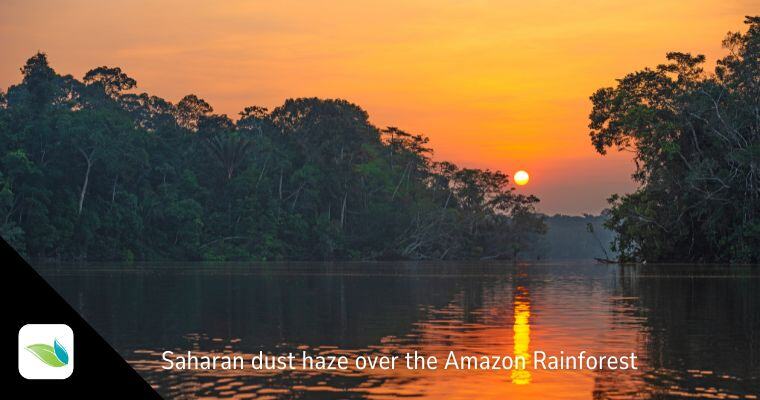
<point x="521" y="328"/>
<point x="506" y="319"/>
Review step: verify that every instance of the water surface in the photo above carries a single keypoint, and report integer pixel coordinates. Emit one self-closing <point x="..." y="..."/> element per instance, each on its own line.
<point x="695" y="329"/>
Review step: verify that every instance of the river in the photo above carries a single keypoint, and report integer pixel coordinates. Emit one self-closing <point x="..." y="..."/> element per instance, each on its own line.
<point x="694" y="329"/>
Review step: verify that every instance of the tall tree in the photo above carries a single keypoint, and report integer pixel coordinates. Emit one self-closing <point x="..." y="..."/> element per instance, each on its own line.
<point x="696" y="142"/>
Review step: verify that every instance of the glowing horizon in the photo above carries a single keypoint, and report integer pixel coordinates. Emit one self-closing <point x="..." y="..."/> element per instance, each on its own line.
<point x="499" y="85"/>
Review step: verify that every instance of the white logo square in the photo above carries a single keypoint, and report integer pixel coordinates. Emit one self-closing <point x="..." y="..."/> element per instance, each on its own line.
<point x="45" y="351"/>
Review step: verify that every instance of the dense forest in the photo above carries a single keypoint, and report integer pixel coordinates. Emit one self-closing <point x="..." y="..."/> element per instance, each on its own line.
<point x="695" y="137"/>
<point x="92" y="170"/>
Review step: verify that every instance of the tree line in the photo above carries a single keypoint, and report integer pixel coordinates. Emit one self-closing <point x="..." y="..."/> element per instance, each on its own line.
<point x="695" y="137"/>
<point x="92" y="170"/>
<point x="573" y="237"/>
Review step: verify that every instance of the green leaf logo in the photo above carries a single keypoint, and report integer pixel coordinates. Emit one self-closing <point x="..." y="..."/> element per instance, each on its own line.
<point x="54" y="356"/>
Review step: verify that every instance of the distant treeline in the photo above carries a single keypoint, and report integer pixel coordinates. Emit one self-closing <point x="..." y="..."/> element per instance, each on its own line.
<point x="89" y="170"/>
<point x="573" y="238"/>
<point x="696" y="141"/>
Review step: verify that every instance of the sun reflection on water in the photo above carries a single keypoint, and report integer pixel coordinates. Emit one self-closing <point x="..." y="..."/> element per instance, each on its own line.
<point x="515" y="312"/>
<point x="521" y="376"/>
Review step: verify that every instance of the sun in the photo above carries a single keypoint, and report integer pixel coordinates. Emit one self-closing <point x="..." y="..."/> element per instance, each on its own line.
<point x="521" y="178"/>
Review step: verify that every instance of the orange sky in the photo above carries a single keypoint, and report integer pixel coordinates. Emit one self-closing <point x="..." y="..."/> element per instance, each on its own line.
<point x="497" y="84"/>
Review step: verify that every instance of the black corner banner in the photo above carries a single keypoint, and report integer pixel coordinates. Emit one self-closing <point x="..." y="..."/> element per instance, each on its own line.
<point x="98" y="370"/>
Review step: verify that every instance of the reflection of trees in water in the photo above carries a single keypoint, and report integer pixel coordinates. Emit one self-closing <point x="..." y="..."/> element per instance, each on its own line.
<point x="243" y="312"/>
<point x="263" y="309"/>
<point x="323" y="312"/>
<point x="675" y="322"/>
<point x="627" y="324"/>
<point x="699" y="330"/>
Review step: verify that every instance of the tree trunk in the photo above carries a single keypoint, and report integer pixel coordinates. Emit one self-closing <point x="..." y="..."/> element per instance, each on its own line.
<point x="113" y="191"/>
<point x="88" y="159"/>
<point x="343" y="210"/>
<point x="261" y="174"/>
<point x="400" y="181"/>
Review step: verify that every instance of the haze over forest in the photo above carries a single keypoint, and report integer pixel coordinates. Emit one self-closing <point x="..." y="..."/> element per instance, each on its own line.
<point x="94" y="169"/>
<point x="494" y="85"/>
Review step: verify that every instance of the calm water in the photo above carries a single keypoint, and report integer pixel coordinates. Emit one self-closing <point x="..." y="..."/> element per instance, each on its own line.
<point x="695" y="329"/>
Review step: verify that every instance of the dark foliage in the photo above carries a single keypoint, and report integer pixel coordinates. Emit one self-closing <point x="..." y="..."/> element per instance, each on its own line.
<point x="696" y="140"/>
<point x="92" y="171"/>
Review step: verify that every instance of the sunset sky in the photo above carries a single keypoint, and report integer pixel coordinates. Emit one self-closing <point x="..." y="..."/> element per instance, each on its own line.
<point x="496" y="84"/>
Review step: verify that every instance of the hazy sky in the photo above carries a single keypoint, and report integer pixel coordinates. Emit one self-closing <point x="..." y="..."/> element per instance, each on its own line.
<point x="497" y="84"/>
